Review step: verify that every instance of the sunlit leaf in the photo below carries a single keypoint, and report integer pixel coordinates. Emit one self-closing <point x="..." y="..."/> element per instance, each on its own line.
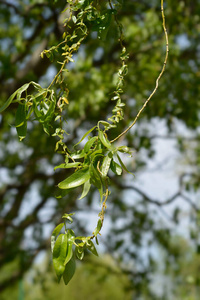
<point x="76" y="179"/>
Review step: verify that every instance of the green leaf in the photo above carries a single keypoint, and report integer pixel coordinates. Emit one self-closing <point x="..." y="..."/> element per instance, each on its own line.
<point x="123" y="166"/>
<point x="21" y="90"/>
<point x="89" y="144"/>
<point x="57" y="229"/>
<point x="68" y="217"/>
<point x="68" y="166"/>
<point x="125" y="149"/>
<point x="8" y="102"/>
<point x="88" y="132"/>
<point x="54" y="235"/>
<point x="70" y="241"/>
<point x="86" y="189"/>
<point x="78" y="154"/>
<point x="104" y="140"/>
<point x="59" y="255"/>
<point x="106" y="164"/>
<point x="20" y="115"/>
<point x="91" y="247"/>
<point x="79" y="252"/>
<point x="95" y="179"/>
<point x="98" y="228"/>
<point x="115" y="168"/>
<point x="76" y="179"/>
<point x="20" y="121"/>
<point x="70" y="269"/>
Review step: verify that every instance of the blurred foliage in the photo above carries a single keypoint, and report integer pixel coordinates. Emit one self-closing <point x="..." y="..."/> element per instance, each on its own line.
<point x="27" y="180"/>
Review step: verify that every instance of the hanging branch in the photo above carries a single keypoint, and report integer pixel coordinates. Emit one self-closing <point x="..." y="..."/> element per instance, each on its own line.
<point x="157" y="80"/>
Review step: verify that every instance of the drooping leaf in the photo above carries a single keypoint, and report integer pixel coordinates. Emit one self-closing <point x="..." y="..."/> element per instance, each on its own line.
<point x="76" y="179"/>
<point x="95" y="179"/>
<point x="86" y="188"/>
<point x="69" y="271"/>
<point x="20" y="115"/>
<point x="8" y="102"/>
<point x="59" y="255"/>
<point x="84" y="136"/>
<point x="91" y="247"/>
<point x="123" y="166"/>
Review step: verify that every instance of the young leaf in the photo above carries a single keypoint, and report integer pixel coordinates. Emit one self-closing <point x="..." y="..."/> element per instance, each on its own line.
<point x="59" y="255"/>
<point x="104" y="140"/>
<point x="98" y="228"/>
<point x="79" y="252"/>
<point x="76" y="179"/>
<point x="91" y="247"/>
<point x="115" y="168"/>
<point x="88" y="132"/>
<point x="86" y="189"/>
<point x="70" y="269"/>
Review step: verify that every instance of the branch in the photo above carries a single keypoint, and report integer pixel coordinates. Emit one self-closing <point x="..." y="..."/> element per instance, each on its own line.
<point x="145" y="196"/>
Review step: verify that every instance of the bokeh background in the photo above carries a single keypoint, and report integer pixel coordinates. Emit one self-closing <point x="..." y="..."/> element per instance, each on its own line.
<point x="150" y="243"/>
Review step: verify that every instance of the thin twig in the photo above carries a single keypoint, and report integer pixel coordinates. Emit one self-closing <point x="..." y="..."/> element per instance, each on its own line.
<point x="157" y="80"/>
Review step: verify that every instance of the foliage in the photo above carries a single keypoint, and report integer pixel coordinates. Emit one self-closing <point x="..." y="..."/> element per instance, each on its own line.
<point x="97" y="156"/>
<point x="91" y="81"/>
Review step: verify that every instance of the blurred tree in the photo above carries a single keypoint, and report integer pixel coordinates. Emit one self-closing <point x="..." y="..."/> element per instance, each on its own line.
<point x="27" y="179"/>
